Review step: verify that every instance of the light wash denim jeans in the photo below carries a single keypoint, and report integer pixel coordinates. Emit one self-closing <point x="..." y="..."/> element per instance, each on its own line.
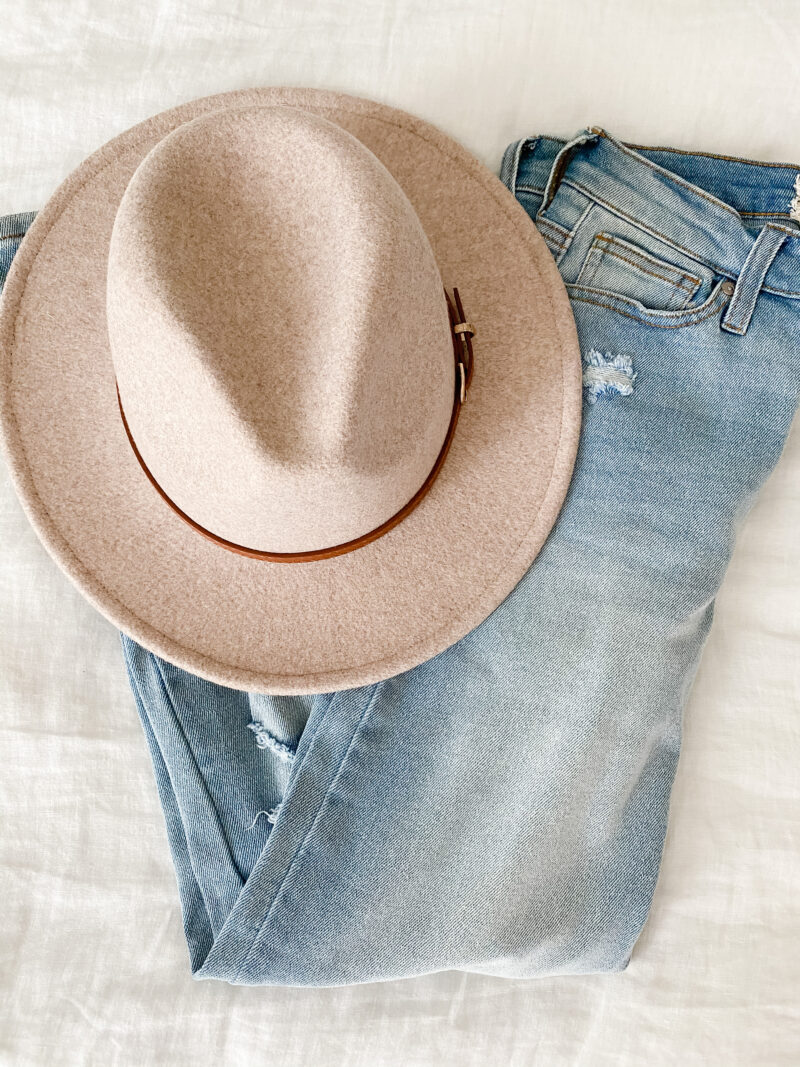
<point x="502" y="807"/>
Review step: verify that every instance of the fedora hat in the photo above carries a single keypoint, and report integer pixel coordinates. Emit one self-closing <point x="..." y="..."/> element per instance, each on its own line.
<point x="289" y="387"/>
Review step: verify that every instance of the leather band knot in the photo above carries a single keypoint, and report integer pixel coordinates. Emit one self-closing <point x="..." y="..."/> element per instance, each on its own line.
<point x="463" y="332"/>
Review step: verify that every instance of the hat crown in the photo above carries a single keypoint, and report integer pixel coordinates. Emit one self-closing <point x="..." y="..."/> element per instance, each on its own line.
<point x="278" y="329"/>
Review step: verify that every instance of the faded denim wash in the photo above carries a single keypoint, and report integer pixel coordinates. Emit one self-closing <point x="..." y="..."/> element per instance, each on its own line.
<point x="502" y="807"/>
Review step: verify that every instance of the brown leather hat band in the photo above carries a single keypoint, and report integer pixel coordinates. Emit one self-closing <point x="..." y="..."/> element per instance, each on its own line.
<point x="463" y="332"/>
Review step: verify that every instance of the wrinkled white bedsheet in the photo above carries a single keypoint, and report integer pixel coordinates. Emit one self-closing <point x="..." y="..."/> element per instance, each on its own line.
<point x="94" y="966"/>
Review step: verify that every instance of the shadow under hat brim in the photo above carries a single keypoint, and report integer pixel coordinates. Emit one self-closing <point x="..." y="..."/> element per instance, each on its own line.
<point x="301" y="627"/>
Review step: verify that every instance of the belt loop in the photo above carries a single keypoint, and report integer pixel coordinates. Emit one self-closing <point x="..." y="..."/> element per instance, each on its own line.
<point x="510" y="165"/>
<point x="751" y="278"/>
<point x="561" y="162"/>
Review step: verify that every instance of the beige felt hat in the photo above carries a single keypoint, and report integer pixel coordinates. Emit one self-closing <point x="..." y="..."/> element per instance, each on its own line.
<point x="242" y="401"/>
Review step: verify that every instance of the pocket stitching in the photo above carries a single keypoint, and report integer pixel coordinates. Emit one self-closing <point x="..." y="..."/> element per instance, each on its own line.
<point x="590" y="274"/>
<point x="605" y="243"/>
<point x="557" y="235"/>
<point x="693" y="282"/>
<point x="678" y="286"/>
<point x="715" y="302"/>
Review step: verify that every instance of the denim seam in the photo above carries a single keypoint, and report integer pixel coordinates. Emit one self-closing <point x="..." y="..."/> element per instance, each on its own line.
<point x="740" y="330"/>
<point x="142" y="716"/>
<point x="296" y="766"/>
<point x="709" y="155"/>
<point x="295" y="771"/>
<point x="530" y="189"/>
<point x="556" y="247"/>
<point x="645" y="320"/>
<point x="193" y="759"/>
<point x="299" y="850"/>
<point x="765" y="214"/>
<point x="562" y="231"/>
<point x="557" y="250"/>
<point x="792" y="294"/>
<point x="549" y="236"/>
<point x="586" y="274"/>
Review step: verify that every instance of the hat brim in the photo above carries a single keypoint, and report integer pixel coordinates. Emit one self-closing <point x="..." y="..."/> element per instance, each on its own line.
<point x="302" y="627"/>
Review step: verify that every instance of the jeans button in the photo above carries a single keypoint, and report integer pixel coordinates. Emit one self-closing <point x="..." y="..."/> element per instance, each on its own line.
<point x="728" y="288"/>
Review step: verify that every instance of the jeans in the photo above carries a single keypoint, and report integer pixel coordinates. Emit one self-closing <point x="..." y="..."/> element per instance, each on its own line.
<point x="12" y="230"/>
<point x="502" y="807"/>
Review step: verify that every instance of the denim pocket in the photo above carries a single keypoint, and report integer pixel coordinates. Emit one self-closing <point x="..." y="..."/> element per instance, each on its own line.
<point x="619" y="266"/>
<point x="665" y="320"/>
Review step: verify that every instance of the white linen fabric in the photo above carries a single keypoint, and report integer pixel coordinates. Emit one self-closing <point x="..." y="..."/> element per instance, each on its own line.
<point x="94" y="967"/>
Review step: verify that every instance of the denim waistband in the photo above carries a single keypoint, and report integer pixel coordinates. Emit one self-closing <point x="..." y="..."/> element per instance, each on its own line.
<point x="699" y="202"/>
